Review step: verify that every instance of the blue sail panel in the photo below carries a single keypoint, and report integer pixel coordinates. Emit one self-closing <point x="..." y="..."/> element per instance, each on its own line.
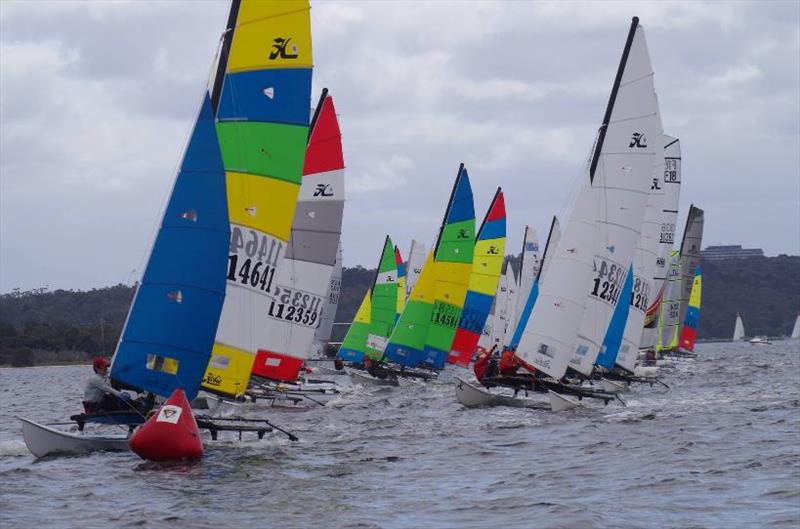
<point x="616" y="328"/>
<point x="462" y="207"/>
<point x="280" y="95"/>
<point x="167" y="340"/>
<point x="403" y="355"/>
<point x="525" y="315"/>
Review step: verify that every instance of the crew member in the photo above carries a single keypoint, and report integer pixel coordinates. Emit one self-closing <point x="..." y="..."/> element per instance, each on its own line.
<point x="99" y="396"/>
<point x="509" y="364"/>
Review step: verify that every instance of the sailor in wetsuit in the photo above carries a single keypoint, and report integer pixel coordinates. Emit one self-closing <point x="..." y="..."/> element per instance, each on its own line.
<point x="99" y="396"/>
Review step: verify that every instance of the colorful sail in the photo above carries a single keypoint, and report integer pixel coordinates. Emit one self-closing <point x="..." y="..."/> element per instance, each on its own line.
<point x="323" y="333"/>
<point x="354" y="345"/>
<point x="416" y="260"/>
<point x="262" y="92"/>
<point x="427" y="326"/>
<point x="167" y="339"/>
<point x="453" y="257"/>
<point x="668" y="323"/>
<point x="590" y="265"/>
<point x="304" y="279"/>
<point x="692" y="321"/>
<point x="690" y="255"/>
<point x="408" y="338"/>
<point x="487" y="262"/>
<point x="384" y="302"/>
<point x="401" y="282"/>
<point x="552" y="241"/>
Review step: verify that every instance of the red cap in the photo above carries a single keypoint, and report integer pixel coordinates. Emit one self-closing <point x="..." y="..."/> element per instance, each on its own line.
<point x="100" y="362"/>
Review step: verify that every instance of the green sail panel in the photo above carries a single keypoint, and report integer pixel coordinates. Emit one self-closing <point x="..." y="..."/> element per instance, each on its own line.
<point x="384" y="302"/>
<point x="269" y="149"/>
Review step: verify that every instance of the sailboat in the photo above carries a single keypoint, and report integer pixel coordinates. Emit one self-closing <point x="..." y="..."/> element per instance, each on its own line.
<point x="692" y="320"/>
<point x="796" y="329"/>
<point x="487" y="262"/>
<point x="170" y="331"/>
<point x="426" y="329"/>
<point x="590" y="265"/>
<point x="738" y="329"/>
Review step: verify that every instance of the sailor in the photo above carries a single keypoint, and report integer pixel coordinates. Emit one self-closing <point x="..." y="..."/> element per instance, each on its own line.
<point x="509" y="364"/>
<point x="338" y="364"/>
<point x="485" y="365"/>
<point x="99" y="396"/>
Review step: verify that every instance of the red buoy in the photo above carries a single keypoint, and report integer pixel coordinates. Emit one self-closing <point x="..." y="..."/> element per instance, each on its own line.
<point x="171" y="434"/>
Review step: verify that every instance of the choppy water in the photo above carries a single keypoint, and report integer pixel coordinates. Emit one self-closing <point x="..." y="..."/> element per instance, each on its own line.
<point x="721" y="448"/>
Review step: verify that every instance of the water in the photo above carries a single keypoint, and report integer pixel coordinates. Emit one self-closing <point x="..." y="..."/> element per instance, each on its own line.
<point x="721" y="448"/>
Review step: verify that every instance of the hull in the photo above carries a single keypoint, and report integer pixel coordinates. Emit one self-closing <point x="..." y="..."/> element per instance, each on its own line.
<point x="473" y="396"/>
<point x="559" y="402"/>
<point x="612" y="387"/>
<point x="359" y="377"/>
<point x="43" y="441"/>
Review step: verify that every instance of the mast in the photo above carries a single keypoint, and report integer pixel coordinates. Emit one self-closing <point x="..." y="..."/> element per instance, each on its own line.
<point x="224" y="52"/>
<point x="447" y="210"/>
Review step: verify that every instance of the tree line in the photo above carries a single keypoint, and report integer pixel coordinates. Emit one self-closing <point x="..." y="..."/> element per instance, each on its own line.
<point x="67" y="326"/>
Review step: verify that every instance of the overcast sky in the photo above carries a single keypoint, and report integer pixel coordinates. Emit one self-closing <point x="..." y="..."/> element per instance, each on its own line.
<point x="97" y="99"/>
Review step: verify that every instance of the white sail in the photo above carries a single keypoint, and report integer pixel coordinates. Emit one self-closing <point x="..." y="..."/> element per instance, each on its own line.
<point x="529" y="269"/>
<point x="568" y="326"/>
<point x="323" y="334"/>
<point x="511" y="305"/>
<point x="738" y="328"/>
<point x="796" y="328"/>
<point x="644" y="266"/>
<point x="550" y="249"/>
<point x="671" y="189"/>
<point x="416" y="260"/>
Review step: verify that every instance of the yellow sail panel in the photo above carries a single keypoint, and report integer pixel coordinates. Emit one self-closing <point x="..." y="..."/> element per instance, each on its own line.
<point x="228" y="370"/>
<point x="424" y="290"/>
<point x="694" y="298"/>
<point x="486" y="267"/>
<point x="365" y="310"/>
<point x="271" y="35"/>
<point x="246" y="205"/>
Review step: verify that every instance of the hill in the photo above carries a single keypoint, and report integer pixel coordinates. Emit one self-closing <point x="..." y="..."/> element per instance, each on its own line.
<point x="73" y="326"/>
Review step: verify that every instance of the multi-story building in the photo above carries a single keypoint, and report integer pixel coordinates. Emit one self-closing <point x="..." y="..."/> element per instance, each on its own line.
<point x="733" y="251"/>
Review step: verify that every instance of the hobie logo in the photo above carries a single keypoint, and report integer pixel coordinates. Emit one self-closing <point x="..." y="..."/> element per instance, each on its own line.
<point x="655" y="186"/>
<point x="492" y="250"/>
<point x="638" y="140"/>
<point x="462" y="234"/>
<point x="323" y="190"/>
<point x="279" y="49"/>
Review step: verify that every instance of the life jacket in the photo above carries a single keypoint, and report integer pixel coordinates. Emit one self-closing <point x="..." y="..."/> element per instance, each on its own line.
<point x="480" y="366"/>
<point x="508" y="363"/>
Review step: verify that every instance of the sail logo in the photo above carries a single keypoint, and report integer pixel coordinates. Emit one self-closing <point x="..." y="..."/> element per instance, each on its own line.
<point x="655" y="186"/>
<point x="323" y="190"/>
<point x="638" y="140"/>
<point x="279" y="49"/>
<point x="492" y="250"/>
<point x="462" y="234"/>
<point x="531" y="247"/>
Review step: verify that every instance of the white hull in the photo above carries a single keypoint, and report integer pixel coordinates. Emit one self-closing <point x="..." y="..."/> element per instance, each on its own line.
<point x="42" y="441"/>
<point x="364" y="378"/>
<point x="760" y="340"/>
<point x="472" y="396"/>
<point x="559" y="402"/>
<point x="613" y="387"/>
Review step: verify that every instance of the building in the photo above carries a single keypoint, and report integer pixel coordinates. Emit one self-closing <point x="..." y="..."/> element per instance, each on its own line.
<point x="733" y="251"/>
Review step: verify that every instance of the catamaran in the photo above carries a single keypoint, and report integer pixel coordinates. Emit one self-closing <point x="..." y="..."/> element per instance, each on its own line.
<point x="226" y="222"/>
